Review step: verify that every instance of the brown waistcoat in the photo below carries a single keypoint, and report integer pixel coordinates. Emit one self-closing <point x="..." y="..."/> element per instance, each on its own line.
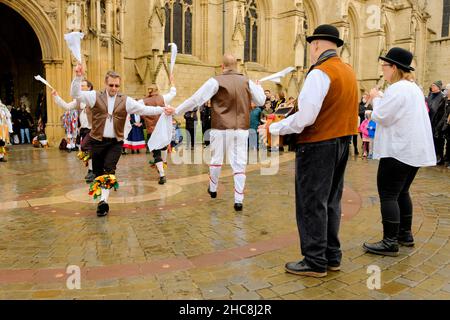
<point x="89" y="115"/>
<point x="151" y="121"/>
<point x="100" y="115"/>
<point x="339" y="114"/>
<point x="230" y="107"/>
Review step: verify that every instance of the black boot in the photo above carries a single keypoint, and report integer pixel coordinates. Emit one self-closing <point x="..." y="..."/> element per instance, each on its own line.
<point x="405" y="237"/>
<point x="102" y="209"/>
<point x="389" y="245"/>
<point x="162" y="180"/>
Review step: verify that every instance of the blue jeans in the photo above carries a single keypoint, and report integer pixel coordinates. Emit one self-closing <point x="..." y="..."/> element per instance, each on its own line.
<point x="319" y="183"/>
<point x="26" y="132"/>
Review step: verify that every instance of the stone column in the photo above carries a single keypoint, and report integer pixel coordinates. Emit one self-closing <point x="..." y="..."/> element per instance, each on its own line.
<point x="53" y="74"/>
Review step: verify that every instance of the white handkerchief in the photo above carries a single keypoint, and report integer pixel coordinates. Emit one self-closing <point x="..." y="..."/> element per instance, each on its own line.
<point x="162" y="135"/>
<point x="276" y="77"/>
<point x="73" y="40"/>
<point x="173" y="57"/>
<point x="39" y="78"/>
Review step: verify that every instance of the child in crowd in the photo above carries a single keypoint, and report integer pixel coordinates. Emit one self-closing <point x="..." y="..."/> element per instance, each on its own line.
<point x="363" y="128"/>
<point x="177" y="136"/>
<point x="371" y="128"/>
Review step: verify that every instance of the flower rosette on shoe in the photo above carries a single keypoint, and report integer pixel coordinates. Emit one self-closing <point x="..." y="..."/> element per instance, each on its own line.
<point x="107" y="181"/>
<point x="153" y="165"/>
<point x="85" y="157"/>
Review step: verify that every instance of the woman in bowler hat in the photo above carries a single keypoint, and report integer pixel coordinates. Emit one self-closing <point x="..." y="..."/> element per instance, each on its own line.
<point x="403" y="144"/>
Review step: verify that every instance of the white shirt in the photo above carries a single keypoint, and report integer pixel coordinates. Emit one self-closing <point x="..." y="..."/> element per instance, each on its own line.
<point x="310" y="101"/>
<point x="209" y="90"/>
<point x="84" y="122"/>
<point x="132" y="106"/>
<point x="403" y="126"/>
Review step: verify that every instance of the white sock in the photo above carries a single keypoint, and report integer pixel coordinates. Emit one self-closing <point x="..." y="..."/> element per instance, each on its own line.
<point x="105" y="195"/>
<point x="160" y="166"/>
<point x="2" y="155"/>
<point x="90" y="164"/>
<point x="164" y="156"/>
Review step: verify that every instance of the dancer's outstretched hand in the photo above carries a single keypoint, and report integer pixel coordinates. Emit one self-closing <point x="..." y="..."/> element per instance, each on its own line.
<point x="79" y="70"/>
<point x="169" y="110"/>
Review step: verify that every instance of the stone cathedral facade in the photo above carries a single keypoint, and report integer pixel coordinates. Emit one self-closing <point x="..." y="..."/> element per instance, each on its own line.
<point x="132" y="37"/>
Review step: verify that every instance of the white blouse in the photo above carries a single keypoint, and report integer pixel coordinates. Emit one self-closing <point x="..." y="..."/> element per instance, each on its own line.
<point x="403" y="126"/>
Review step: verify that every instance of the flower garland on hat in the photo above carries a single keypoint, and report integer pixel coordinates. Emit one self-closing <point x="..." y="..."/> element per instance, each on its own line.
<point x="107" y="181"/>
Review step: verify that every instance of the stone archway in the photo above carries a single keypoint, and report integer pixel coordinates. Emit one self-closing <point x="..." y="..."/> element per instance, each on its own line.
<point x="21" y="56"/>
<point x="46" y="46"/>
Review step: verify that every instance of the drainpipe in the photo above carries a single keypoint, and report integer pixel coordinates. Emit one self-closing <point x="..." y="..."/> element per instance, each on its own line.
<point x="223" y="26"/>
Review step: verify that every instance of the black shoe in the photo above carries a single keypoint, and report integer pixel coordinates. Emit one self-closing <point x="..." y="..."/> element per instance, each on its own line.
<point x="102" y="209"/>
<point x="90" y="177"/>
<point x="238" y="207"/>
<point x="406" y="239"/>
<point x="3" y="160"/>
<point x="212" y="194"/>
<point x="386" y="247"/>
<point x="162" y="180"/>
<point x="88" y="174"/>
<point x="302" y="269"/>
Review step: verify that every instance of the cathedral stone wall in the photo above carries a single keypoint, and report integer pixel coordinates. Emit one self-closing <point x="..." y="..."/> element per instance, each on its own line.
<point x="266" y="35"/>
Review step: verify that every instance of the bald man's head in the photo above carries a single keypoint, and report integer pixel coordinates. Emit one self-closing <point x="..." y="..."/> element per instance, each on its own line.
<point x="229" y="62"/>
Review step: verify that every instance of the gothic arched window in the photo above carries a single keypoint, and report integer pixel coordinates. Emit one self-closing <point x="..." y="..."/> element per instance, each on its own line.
<point x="251" y="31"/>
<point x="446" y="18"/>
<point x="178" y="27"/>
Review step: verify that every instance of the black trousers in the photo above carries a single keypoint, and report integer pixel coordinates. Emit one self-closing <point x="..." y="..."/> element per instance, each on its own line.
<point x="157" y="155"/>
<point x="105" y="155"/>
<point x="319" y="182"/>
<point x="394" y="180"/>
<point x="439" y="147"/>
<point x="206" y="135"/>
<point x="191" y="136"/>
<point x="85" y="139"/>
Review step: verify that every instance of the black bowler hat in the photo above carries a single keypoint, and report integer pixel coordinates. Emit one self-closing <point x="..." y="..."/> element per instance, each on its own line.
<point x="400" y="57"/>
<point x="326" y="32"/>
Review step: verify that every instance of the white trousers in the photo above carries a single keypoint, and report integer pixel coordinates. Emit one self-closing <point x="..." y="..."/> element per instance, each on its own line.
<point x="233" y="143"/>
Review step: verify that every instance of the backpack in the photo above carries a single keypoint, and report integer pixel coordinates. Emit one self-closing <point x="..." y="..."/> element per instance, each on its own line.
<point x="63" y="144"/>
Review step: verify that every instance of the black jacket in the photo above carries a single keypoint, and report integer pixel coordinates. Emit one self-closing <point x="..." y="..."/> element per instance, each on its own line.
<point x="191" y="118"/>
<point x="436" y="103"/>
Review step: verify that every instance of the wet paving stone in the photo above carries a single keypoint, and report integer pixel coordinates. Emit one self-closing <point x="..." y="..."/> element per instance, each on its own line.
<point x="187" y="246"/>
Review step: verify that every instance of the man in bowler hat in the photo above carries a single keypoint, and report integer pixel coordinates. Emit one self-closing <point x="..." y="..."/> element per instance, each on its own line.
<point x="325" y="123"/>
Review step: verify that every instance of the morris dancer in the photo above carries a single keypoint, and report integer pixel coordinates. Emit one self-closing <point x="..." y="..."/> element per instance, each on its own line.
<point x="231" y="96"/>
<point x="154" y="98"/>
<point x="109" y="113"/>
<point x="85" y="126"/>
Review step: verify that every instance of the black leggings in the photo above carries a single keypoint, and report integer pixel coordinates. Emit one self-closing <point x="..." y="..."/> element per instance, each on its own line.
<point x="394" y="180"/>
